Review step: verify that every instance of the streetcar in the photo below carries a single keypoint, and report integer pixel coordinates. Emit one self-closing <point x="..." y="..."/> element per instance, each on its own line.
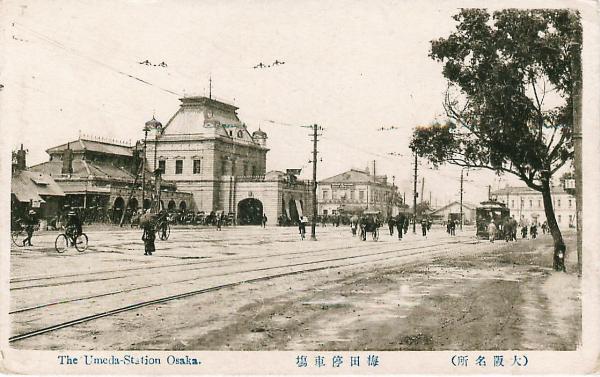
<point x="487" y="212"/>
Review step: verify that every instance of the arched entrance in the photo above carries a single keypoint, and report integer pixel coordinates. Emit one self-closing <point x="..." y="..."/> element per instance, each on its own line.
<point x="182" y="206"/>
<point x="133" y="204"/>
<point x="171" y="205"/>
<point x="147" y="203"/>
<point x="118" y="207"/>
<point x="250" y="212"/>
<point x="294" y="216"/>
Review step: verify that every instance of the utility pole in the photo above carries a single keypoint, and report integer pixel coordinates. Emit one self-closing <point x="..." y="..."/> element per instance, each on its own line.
<point x="415" y="194"/>
<point x="461" y="198"/>
<point x="422" y="188"/>
<point x="577" y="80"/>
<point x="146" y="129"/>
<point x="313" y="235"/>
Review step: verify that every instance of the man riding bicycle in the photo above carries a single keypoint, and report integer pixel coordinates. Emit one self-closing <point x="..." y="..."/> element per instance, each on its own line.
<point x="73" y="227"/>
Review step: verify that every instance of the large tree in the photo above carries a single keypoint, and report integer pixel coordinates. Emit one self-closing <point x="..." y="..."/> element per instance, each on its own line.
<point x="509" y="98"/>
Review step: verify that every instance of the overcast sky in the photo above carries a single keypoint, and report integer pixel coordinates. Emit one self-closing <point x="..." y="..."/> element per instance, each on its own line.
<point x="350" y="66"/>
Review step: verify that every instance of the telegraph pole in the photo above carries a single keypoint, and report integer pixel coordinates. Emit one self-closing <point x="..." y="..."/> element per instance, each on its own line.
<point x="313" y="235"/>
<point x="415" y="194"/>
<point x="577" y="145"/>
<point x="461" y="198"/>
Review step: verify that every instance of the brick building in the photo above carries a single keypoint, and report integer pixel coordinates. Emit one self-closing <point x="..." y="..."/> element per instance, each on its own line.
<point x="206" y="150"/>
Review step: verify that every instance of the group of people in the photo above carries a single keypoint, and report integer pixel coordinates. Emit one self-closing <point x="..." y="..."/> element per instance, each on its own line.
<point x="29" y="221"/>
<point x="398" y="223"/>
<point x="509" y="228"/>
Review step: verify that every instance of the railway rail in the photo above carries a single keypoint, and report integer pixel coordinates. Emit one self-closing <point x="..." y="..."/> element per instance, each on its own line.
<point x="337" y="263"/>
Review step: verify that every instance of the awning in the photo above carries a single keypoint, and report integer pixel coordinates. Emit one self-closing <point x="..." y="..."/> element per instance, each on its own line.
<point x="28" y="196"/>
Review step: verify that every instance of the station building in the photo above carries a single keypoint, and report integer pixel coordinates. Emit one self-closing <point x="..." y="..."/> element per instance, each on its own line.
<point x="355" y="191"/>
<point x="206" y="150"/>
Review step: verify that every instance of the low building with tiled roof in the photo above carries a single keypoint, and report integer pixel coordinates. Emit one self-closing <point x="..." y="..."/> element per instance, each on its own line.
<point x="452" y="211"/>
<point x="99" y="176"/>
<point x="33" y="190"/>
<point x="355" y="191"/>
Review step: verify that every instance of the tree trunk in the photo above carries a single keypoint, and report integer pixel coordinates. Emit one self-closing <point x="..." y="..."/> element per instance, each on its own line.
<point x="559" y="244"/>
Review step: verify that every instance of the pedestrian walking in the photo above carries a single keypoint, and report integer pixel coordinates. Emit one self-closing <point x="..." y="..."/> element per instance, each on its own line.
<point x="219" y="221"/>
<point x="400" y="220"/>
<point x="30" y="221"/>
<point x="406" y="224"/>
<point x="424" y="227"/>
<point x="354" y="224"/>
<point x="264" y="221"/>
<point x="491" y="231"/>
<point x="391" y="224"/>
<point x="149" y="237"/>
<point x="302" y="226"/>
<point x="533" y="231"/>
<point x="452" y="227"/>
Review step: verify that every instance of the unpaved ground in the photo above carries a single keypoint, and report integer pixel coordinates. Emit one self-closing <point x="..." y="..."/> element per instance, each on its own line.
<point x="503" y="299"/>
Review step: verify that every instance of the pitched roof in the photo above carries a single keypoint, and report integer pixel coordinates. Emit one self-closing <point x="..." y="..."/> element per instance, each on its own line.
<point x="466" y="205"/>
<point x="350" y="176"/>
<point x="83" y="169"/>
<point x="84" y="144"/>
<point x="28" y="185"/>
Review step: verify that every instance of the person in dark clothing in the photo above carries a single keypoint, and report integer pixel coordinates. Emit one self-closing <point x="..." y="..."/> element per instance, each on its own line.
<point x="149" y="237"/>
<point x="391" y="224"/>
<point x="29" y="222"/>
<point x="533" y="231"/>
<point x="424" y="227"/>
<point x="400" y="221"/>
<point x="73" y="227"/>
<point x="452" y="227"/>
<point x="264" y="220"/>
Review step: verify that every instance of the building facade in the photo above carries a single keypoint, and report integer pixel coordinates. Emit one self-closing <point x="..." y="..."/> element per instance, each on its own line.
<point x="33" y="190"/>
<point x="452" y="210"/>
<point x="355" y="191"/>
<point x="102" y="179"/>
<point x="206" y="150"/>
<point x="528" y="204"/>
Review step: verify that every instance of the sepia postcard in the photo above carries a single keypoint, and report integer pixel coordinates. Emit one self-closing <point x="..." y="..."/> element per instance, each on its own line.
<point x="299" y="187"/>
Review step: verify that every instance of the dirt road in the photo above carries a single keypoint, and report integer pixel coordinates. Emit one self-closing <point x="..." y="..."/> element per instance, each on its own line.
<point x="386" y="295"/>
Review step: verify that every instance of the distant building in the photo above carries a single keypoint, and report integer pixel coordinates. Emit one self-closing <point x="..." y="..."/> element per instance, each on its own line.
<point x="452" y="210"/>
<point x="99" y="176"/>
<point x="526" y="203"/>
<point x="32" y="190"/>
<point x="206" y="150"/>
<point x="355" y="191"/>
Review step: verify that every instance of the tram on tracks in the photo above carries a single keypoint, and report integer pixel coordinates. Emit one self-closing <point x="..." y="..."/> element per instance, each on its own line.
<point x="487" y="212"/>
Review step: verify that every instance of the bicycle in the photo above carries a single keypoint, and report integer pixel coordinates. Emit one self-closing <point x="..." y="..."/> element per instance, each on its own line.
<point x="163" y="230"/>
<point x="19" y="234"/>
<point x="66" y="240"/>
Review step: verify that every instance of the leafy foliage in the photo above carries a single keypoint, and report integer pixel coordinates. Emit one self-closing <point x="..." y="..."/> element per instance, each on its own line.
<point x="509" y="96"/>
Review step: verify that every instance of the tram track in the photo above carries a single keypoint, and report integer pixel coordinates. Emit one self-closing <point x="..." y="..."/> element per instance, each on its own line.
<point x="21" y="310"/>
<point x="438" y="247"/>
<point x="187" y="264"/>
<point x="200" y="241"/>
